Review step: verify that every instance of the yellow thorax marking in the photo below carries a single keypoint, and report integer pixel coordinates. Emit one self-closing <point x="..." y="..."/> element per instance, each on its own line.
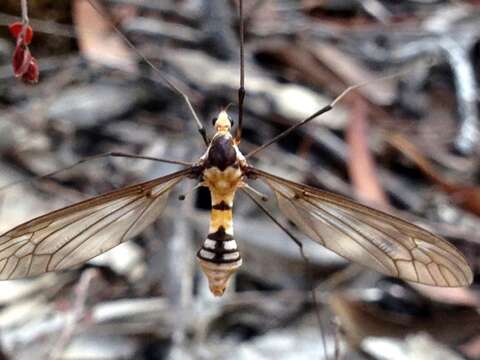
<point x="222" y="184"/>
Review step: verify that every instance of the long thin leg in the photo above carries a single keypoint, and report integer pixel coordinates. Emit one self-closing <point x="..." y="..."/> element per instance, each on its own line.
<point x="305" y="258"/>
<point x="165" y="79"/>
<point x="319" y="112"/>
<point x="94" y="157"/>
<point x="241" y="89"/>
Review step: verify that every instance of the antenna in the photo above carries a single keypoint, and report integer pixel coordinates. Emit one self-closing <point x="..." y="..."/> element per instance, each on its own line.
<point x="323" y="110"/>
<point x="241" y="89"/>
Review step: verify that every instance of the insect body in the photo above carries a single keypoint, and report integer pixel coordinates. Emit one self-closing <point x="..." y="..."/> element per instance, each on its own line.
<point x="72" y="235"/>
<point x="223" y="166"/>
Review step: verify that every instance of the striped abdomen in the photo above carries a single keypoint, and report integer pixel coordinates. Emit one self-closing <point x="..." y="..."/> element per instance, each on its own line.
<point x="219" y="256"/>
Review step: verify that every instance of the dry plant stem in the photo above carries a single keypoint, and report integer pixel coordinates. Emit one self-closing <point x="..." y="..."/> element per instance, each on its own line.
<point x="25" y="20"/>
<point x="454" y="49"/>
<point x="307" y="265"/>
<point x="337" y="354"/>
<point x="169" y="82"/>
<point x="409" y="150"/>
<point x="458" y="57"/>
<point x="95" y="157"/>
<point x="361" y="165"/>
<point x="339" y="278"/>
<point x="24" y="12"/>
<point x="77" y="313"/>
<point x="376" y="9"/>
<point x="178" y="284"/>
<point x="466" y="196"/>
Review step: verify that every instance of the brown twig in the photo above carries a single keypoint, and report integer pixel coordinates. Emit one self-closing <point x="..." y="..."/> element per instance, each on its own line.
<point x="361" y="164"/>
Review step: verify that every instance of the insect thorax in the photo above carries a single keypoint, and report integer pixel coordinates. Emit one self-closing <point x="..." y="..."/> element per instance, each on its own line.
<point x="221" y="152"/>
<point x="223" y="168"/>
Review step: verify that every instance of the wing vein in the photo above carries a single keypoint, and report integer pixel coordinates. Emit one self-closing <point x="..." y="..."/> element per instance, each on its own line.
<point x="453" y="263"/>
<point x="138" y="218"/>
<point x="14" y="267"/>
<point x="97" y="231"/>
<point x="356" y="231"/>
<point x="93" y="212"/>
<point x="308" y="220"/>
<point x="377" y="240"/>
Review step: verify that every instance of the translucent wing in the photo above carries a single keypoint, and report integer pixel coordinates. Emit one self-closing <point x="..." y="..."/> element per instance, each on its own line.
<point x="72" y="235"/>
<point x="369" y="237"/>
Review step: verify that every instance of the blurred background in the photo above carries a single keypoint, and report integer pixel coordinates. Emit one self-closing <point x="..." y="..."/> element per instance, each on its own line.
<point x="408" y="144"/>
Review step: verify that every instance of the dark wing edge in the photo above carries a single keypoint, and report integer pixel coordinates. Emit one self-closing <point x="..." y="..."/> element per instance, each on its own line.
<point x="372" y="238"/>
<point x="67" y="237"/>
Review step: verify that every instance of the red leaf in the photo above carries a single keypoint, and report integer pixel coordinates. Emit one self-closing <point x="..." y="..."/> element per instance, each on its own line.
<point x="24" y="64"/>
<point x="32" y="74"/>
<point x="16" y="30"/>
<point x="21" y="59"/>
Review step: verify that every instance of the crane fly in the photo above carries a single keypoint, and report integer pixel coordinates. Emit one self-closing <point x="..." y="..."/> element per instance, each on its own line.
<point x="67" y="237"/>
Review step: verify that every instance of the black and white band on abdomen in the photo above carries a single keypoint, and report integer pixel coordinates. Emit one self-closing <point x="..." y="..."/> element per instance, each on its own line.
<point x="219" y="248"/>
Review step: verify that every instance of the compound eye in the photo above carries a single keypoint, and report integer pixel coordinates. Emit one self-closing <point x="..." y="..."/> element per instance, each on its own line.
<point x="214" y="120"/>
